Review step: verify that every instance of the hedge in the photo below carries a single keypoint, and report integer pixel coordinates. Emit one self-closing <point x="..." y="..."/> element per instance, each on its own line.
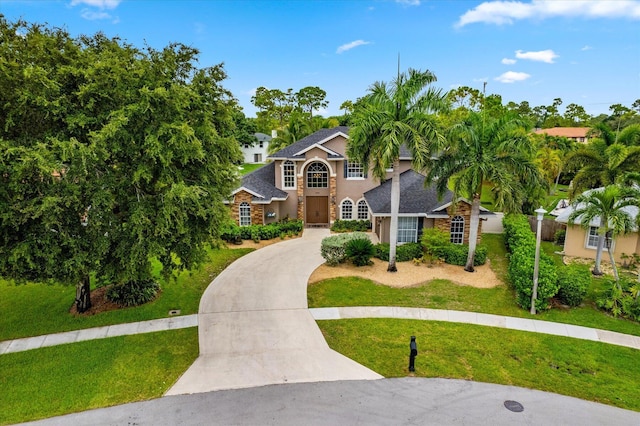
<point x="404" y="252"/>
<point x="231" y="232"/>
<point x="436" y="245"/>
<point x="333" y="249"/>
<point x="340" y="225"/>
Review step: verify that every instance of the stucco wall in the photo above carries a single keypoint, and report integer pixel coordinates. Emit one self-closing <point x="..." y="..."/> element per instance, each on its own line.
<point x="575" y="244"/>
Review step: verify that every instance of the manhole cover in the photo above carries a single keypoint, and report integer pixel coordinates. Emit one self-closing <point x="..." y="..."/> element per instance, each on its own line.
<point x="514" y="406"/>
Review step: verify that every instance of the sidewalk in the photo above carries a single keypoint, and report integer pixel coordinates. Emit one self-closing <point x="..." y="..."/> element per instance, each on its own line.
<point x="318" y="314"/>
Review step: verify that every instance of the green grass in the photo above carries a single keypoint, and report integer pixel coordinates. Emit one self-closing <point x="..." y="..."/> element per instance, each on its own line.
<point x="588" y="370"/>
<point x="249" y="167"/>
<point x="443" y="294"/>
<point x="551" y="201"/>
<point x="36" y="309"/>
<point x="81" y="376"/>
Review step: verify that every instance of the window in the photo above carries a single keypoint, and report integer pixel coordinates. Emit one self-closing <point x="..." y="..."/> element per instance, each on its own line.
<point x="289" y="174"/>
<point x="353" y="170"/>
<point x="317" y="176"/>
<point x="346" y="212"/>
<point x="456" y="230"/>
<point x="363" y="210"/>
<point x="245" y="214"/>
<point x="261" y="144"/>
<point x="407" y="229"/>
<point x="592" y="237"/>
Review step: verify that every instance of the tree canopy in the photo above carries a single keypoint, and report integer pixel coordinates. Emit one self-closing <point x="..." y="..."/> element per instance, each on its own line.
<point x="110" y="155"/>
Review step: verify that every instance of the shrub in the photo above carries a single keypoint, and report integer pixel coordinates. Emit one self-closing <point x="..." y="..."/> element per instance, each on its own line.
<point x="559" y="236"/>
<point x="333" y="250"/>
<point x="360" y="251"/>
<point x="133" y="293"/>
<point x="404" y="252"/>
<point x="521" y="265"/>
<point x="573" y="281"/>
<point x="232" y="233"/>
<point x="622" y="299"/>
<point x="351" y="225"/>
<point x="437" y="246"/>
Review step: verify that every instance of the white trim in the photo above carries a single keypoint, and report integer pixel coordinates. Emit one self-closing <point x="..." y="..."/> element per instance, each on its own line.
<point x="444" y="206"/>
<point x="295" y="176"/>
<point x="353" y="207"/>
<point x="315" y="145"/>
<point x="313" y="160"/>
<point x="242" y="188"/>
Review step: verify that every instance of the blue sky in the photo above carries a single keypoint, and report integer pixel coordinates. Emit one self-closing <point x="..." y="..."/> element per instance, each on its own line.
<point x="584" y="52"/>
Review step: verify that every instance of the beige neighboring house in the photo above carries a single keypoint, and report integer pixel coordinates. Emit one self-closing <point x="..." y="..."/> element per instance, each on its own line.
<point x="578" y="134"/>
<point x="313" y="180"/>
<point x="581" y="242"/>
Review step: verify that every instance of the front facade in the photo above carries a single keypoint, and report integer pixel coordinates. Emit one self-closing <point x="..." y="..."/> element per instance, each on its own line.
<point x="256" y="153"/>
<point x="578" y="134"/>
<point x="313" y="180"/>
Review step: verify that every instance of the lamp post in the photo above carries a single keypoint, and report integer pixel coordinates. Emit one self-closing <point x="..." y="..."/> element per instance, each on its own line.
<point x="540" y="212"/>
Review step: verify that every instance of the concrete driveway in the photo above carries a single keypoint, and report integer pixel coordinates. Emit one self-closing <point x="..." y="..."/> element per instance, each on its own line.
<point x="255" y="328"/>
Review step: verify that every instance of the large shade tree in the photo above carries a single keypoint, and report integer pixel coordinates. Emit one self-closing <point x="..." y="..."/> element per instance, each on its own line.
<point x="610" y="208"/>
<point x="109" y="156"/>
<point x="480" y="150"/>
<point x="391" y="115"/>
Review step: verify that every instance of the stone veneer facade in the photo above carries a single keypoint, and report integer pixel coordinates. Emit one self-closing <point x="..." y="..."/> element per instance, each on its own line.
<point x="464" y="210"/>
<point x="257" y="210"/>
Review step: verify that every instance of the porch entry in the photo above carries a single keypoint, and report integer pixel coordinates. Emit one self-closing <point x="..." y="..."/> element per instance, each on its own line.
<point x="317" y="210"/>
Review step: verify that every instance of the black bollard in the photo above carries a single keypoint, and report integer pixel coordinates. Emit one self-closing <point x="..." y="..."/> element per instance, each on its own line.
<point x="413" y="354"/>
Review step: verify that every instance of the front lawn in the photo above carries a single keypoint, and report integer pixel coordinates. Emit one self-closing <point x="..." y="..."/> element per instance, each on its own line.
<point x="583" y="369"/>
<point x="64" y="379"/>
<point x="36" y="309"/>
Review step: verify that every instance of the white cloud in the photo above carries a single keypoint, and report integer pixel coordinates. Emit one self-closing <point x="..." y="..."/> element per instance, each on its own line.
<point x="508" y="61"/>
<point x="351" y="45"/>
<point x="480" y="79"/>
<point x="92" y="16"/>
<point x="512" y="77"/>
<point x="540" y="56"/>
<point x="506" y="12"/>
<point x="409" y="2"/>
<point x="587" y="47"/>
<point x="101" y="4"/>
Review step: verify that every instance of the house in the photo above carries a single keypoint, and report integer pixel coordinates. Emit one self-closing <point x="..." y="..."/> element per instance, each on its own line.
<point x="256" y="153"/>
<point x="313" y="180"/>
<point x="581" y="242"/>
<point x="578" y="134"/>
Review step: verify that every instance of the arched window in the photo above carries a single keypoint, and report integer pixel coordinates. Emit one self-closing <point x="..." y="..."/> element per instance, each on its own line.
<point x="457" y="230"/>
<point x="317" y="176"/>
<point x="346" y="211"/>
<point x="245" y="214"/>
<point x="363" y="210"/>
<point x="289" y="175"/>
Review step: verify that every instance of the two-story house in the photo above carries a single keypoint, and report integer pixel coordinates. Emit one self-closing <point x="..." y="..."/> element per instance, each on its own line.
<point x="314" y="180"/>
<point x="256" y="153"/>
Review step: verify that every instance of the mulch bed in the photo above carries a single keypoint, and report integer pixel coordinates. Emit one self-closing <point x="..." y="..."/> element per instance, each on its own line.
<point x="99" y="303"/>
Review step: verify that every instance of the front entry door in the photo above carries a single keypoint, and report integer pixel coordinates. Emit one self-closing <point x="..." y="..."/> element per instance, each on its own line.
<point x="317" y="210"/>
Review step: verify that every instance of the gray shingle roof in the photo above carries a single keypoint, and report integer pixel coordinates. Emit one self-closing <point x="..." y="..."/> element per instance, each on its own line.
<point x="304" y="143"/>
<point x="414" y="196"/>
<point x="261" y="181"/>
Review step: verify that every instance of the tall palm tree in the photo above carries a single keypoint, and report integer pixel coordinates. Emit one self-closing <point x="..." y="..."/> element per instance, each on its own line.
<point x="610" y="207"/>
<point x="485" y="149"/>
<point x="389" y="116"/>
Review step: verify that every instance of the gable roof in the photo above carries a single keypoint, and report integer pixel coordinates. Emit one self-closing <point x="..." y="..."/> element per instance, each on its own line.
<point x="563" y="217"/>
<point x="415" y="198"/>
<point x="567" y="132"/>
<point x="297" y="150"/>
<point x="260" y="184"/>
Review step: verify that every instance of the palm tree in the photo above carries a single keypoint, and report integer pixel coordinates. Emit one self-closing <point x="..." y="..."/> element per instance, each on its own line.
<point x="606" y="159"/>
<point x="485" y="149"/>
<point x="610" y="207"/>
<point x="389" y="116"/>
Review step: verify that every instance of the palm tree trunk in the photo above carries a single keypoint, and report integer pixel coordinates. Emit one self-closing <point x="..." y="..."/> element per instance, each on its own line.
<point x="613" y="265"/>
<point x="555" y="187"/>
<point x="83" y="294"/>
<point x="596" y="268"/>
<point x="395" y="208"/>
<point x="473" y="232"/>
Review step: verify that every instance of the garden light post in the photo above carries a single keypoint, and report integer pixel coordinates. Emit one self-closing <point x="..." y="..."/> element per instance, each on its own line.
<point x="540" y="212"/>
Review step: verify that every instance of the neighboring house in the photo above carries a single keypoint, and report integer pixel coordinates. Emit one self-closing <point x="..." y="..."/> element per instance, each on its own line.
<point x="578" y="134"/>
<point x="313" y="180"/>
<point x="256" y="153"/>
<point x="580" y="242"/>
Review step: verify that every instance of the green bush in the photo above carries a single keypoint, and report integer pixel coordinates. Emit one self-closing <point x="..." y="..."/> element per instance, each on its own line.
<point x="333" y="248"/>
<point x="437" y="246"/>
<point x="560" y="236"/>
<point x="351" y="225"/>
<point x="622" y="299"/>
<point x="360" y="251"/>
<point x="404" y="252"/>
<point x="232" y="233"/>
<point x="521" y="265"/>
<point x="573" y="281"/>
<point x="133" y="293"/>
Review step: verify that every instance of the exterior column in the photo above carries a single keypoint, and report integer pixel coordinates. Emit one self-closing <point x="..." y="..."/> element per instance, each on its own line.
<point x="333" y="192"/>
<point x="300" y="194"/>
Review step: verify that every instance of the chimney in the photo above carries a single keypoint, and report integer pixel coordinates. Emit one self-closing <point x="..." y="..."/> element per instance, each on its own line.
<point x="274" y="134"/>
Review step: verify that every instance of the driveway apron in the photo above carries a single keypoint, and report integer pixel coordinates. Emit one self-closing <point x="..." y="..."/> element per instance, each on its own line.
<point x="255" y="328"/>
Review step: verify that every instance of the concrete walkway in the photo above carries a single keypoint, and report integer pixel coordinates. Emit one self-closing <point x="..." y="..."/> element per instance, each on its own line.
<point x="255" y="329"/>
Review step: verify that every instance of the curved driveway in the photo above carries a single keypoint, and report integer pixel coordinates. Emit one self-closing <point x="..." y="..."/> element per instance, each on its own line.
<point x="255" y="329"/>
